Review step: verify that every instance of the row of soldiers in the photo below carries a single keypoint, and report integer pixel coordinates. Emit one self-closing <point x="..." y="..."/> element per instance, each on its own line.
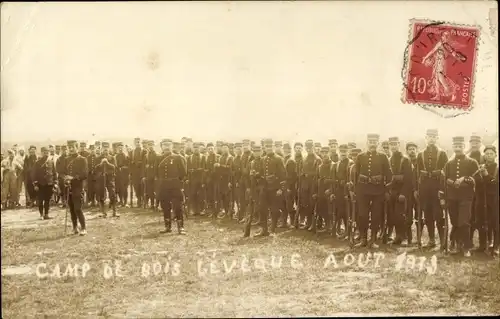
<point x="337" y="188"/>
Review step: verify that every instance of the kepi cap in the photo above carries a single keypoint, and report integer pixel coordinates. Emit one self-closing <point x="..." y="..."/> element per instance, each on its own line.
<point x="394" y="139"/>
<point x="373" y="137"/>
<point x="458" y="140"/>
<point x="432" y="132"/>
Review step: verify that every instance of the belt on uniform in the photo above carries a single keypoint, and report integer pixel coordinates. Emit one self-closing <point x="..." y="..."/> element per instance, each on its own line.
<point x="376" y="180"/>
<point x="433" y="174"/>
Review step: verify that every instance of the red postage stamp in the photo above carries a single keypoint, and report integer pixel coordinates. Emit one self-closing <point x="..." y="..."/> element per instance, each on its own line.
<point x="440" y="63"/>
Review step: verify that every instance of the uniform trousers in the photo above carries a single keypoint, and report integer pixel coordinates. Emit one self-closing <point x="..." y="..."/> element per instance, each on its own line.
<point x="44" y="196"/>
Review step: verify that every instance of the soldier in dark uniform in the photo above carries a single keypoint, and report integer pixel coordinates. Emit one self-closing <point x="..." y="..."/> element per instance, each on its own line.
<point x="91" y="182"/>
<point x="385" y="148"/>
<point x="478" y="204"/>
<point x="189" y="146"/>
<point x="60" y="168"/>
<point x="212" y="179"/>
<point x="309" y="183"/>
<point x="290" y="187"/>
<point x="489" y="174"/>
<point x="350" y="147"/>
<point x="137" y="170"/>
<point x="256" y="187"/>
<point x="236" y="173"/>
<point x="317" y="149"/>
<point x="372" y="173"/>
<point x="29" y="163"/>
<point x="341" y="187"/>
<point x="149" y="174"/>
<point x="326" y="177"/>
<point x="74" y="173"/>
<point x="122" y="174"/>
<point x="196" y="164"/>
<point x="401" y="190"/>
<point x="171" y="172"/>
<point x="299" y="163"/>
<point x="411" y="152"/>
<point x="459" y="183"/>
<point x="44" y="177"/>
<point x="352" y="176"/>
<point x="430" y="164"/>
<point x="83" y="149"/>
<point x="273" y="177"/>
<point x="165" y="151"/>
<point x="105" y="172"/>
<point x="244" y="181"/>
<point x="278" y="148"/>
<point x="224" y="173"/>
<point x="333" y="144"/>
<point x="218" y="147"/>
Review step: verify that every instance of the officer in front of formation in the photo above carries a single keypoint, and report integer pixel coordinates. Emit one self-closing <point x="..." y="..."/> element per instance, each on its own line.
<point x="74" y="173"/>
<point x="171" y="172"/>
<point x="460" y="176"/>
<point x="44" y="177"/>
<point x="372" y="174"/>
<point x="430" y="163"/>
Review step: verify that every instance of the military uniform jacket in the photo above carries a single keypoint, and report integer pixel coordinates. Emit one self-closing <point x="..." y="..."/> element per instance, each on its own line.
<point x="372" y="173"/>
<point x="430" y="163"/>
<point x="107" y="170"/>
<point x="460" y="166"/>
<point x="309" y="173"/>
<point x="77" y="167"/>
<point x="211" y="172"/>
<point x="334" y="157"/>
<point x="402" y="175"/>
<point x="491" y="180"/>
<point x="149" y="164"/>
<point x="246" y="160"/>
<point x="343" y="174"/>
<point x="61" y="165"/>
<point x="29" y="164"/>
<point x="92" y="163"/>
<point x="172" y="171"/>
<point x="273" y="171"/>
<point x="136" y="162"/>
<point x="44" y="172"/>
<point x="291" y="173"/>
<point x="122" y="164"/>
<point x="326" y="177"/>
<point x="237" y="164"/>
<point x="196" y="165"/>
<point x="257" y="173"/>
<point x="85" y="153"/>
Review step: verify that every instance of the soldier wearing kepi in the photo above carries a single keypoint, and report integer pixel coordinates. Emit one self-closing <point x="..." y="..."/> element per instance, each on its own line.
<point x="333" y="144"/>
<point x="91" y="183"/>
<point x="149" y="174"/>
<point x="238" y="193"/>
<point x="44" y="177"/>
<point x="489" y="173"/>
<point x="478" y="204"/>
<point x="326" y="177"/>
<point x="256" y="187"/>
<point x="122" y="174"/>
<point x="171" y="173"/>
<point x="244" y="182"/>
<point x="341" y="188"/>
<point x="74" y="173"/>
<point x="411" y="152"/>
<point x="225" y="179"/>
<point x="372" y="174"/>
<point x="196" y="168"/>
<point x="136" y="170"/>
<point x="308" y="183"/>
<point x="29" y="164"/>
<point x="290" y="186"/>
<point x="401" y="190"/>
<point x="212" y="179"/>
<point x="273" y="173"/>
<point x="430" y="163"/>
<point x="459" y="193"/>
<point x="106" y="179"/>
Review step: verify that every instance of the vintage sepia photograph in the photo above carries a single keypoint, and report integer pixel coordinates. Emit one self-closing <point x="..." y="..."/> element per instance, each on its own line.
<point x="246" y="159"/>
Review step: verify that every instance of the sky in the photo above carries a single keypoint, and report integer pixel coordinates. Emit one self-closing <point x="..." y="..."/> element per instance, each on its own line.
<point x="225" y="70"/>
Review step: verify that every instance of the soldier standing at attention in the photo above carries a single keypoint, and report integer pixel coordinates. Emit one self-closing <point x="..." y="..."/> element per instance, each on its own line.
<point x="29" y="164"/>
<point x="430" y="163"/>
<point x="278" y="148"/>
<point x="309" y="183"/>
<point x="489" y="173"/>
<point x="44" y="178"/>
<point x="238" y="193"/>
<point x="372" y="173"/>
<point x="333" y="144"/>
<point x="386" y="149"/>
<point x="350" y="147"/>
<point x="459" y="183"/>
<point x="290" y="187"/>
<point x="411" y="152"/>
<point x="149" y="174"/>
<point x="212" y="181"/>
<point x="60" y="168"/>
<point x="171" y="173"/>
<point x="273" y="173"/>
<point x="341" y="188"/>
<point x="256" y="187"/>
<point x="106" y="179"/>
<point x="136" y="170"/>
<point x="326" y="177"/>
<point x="244" y="182"/>
<point x="299" y="164"/>
<point x="122" y="174"/>
<point x="196" y="169"/>
<point x="91" y="182"/>
<point x="400" y="190"/>
<point x="352" y="175"/>
<point x="477" y="219"/>
<point x="75" y="172"/>
<point x="225" y="180"/>
<point x="317" y="149"/>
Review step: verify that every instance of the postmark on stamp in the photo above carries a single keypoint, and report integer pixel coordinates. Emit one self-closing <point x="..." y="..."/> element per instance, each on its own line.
<point x="440" y="64"/>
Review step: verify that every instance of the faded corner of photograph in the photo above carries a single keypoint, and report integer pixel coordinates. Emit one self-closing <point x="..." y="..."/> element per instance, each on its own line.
<point x="249" y="159"/>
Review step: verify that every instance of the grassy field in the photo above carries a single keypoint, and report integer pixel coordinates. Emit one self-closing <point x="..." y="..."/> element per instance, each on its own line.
<point x="213" y="272"/>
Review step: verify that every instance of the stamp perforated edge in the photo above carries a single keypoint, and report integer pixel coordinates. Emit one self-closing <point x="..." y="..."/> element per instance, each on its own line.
<point x="428" y="106"/>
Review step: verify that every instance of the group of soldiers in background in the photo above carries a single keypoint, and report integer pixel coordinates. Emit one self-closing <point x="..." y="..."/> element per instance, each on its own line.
<point x="354" y="195"/>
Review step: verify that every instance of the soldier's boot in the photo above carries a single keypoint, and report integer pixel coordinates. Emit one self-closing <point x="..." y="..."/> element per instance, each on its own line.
<point x="320" y="222"/>
<point x="373" y="238"/>
<point x="180" y="226"/>
<point x="409" y="235"/>
<point x="264" y="231"/>
<point x="75" y="229"/>
<point x="283" y="219"/>
<point x="442" y="238"/>
<point x="313" y="225"/>
<point x="432" y="237"/>
<point x="115" y="214"/>
<point x="482" y="240"/>
<point x="103" y="209"/>
<point x="274" y="222"/>
<point x="168" y="226"/>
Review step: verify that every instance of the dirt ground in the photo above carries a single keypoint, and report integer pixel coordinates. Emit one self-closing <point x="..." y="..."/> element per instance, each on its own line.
<point x="125" y="268"/>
